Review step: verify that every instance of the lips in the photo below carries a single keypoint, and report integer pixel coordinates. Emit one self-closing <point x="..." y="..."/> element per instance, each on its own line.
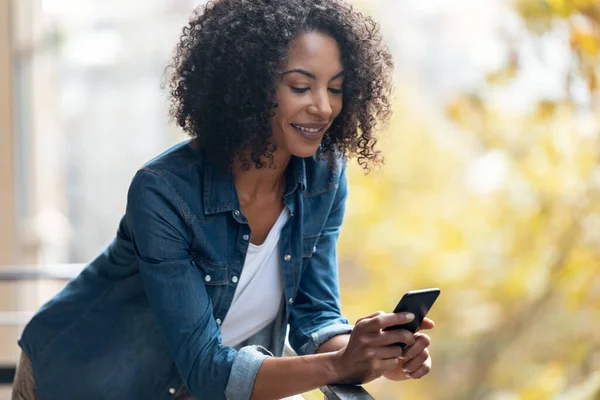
<point x="310" y="131"/>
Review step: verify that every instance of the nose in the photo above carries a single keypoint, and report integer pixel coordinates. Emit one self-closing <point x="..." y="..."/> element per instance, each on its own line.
<point x="321" y="105"/>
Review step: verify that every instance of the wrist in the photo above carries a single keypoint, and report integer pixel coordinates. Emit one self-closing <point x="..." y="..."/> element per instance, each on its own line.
<point x="334" y="373"/>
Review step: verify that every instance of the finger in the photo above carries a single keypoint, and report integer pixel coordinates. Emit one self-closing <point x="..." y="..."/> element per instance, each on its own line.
<point x="420" y="342"/>
<point x="421" y="371"/>
<point x="375" y="314"/>
<point x="389" y="364"/>
<point x="386" y="338"/>
<point x="416" y="363"/>
<point x="387" y="352"/>
<point x="426" y="324"/>
<point x="383" y="321"/>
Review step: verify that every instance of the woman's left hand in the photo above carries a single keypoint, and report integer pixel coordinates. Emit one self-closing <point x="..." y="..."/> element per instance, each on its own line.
<point x="415" y="362"/>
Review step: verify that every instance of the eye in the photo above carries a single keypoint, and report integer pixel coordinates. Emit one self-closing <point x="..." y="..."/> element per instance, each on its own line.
<point x="298" y="89"/>
<point x="335" y="91"/>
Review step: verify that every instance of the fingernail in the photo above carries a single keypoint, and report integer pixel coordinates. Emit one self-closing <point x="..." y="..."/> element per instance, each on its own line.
<point x="408" y="376"/>
<point x="410" y="316"/>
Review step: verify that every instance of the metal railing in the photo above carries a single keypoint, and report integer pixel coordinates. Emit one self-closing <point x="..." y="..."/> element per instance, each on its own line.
<point x="65" y="272"/>
<point x="7" y="374"/>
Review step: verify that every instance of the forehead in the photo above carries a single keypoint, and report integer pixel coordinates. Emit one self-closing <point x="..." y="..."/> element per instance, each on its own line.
<point x="314" y="52"/>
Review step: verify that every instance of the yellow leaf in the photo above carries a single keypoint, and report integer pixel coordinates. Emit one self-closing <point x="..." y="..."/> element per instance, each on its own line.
<point x="585" y="40"/>
<point x="592" y="80"/>
<point x="545" y="110"/>
<point x="564" y="8"/>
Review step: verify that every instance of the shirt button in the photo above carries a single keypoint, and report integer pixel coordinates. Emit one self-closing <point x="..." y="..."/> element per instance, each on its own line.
<point x="314" y="249"/>
<point x="287" y="257"/>
<point x="172" y="390"/>
<point x="207" y="278"/>
<point x="246" y="237"/>
<point x="219" y="322"/>
<point x="237" y="213"/>
<point x="234" y="279"/>
<point x="291" y="301"/>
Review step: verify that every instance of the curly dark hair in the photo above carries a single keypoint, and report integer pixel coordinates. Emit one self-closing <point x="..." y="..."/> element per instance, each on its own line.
<point x="225" y="67"/>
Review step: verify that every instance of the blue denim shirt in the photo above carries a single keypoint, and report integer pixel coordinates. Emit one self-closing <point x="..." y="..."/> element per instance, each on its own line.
<point x="142" y="319"/>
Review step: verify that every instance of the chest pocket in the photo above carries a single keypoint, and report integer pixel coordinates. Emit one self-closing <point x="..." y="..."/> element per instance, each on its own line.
<point x="214" y="274"/>
<point x="309" y="245"/>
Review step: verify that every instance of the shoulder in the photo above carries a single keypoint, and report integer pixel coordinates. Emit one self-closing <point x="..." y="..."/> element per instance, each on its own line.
<point x="176" y="173"/>
<point x="181" y="165"/>
<point x="178" y="157"/>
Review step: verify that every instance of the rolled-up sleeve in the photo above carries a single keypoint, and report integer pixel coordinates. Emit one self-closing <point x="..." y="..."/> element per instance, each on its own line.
<point x="316" y="315"/>
<point x="178" y="297"/>
<point x="317" y="338"/>
<point x="244" y="371"/>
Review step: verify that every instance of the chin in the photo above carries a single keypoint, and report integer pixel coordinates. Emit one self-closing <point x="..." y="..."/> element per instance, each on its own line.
<point x="304" y="151"/>
<point x="300" y="146"/>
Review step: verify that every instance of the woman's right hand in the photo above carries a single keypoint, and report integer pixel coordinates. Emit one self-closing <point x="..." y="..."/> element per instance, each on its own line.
<point x="370" y="351"/>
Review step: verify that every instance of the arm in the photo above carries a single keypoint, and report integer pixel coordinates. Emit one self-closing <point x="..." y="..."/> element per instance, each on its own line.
<point x="282" y="377"/>
<point x="316" y="314"/>
<point x="334" y="344"/>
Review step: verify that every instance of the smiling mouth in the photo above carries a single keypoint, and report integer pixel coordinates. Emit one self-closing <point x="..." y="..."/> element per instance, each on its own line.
<point x="310" y="131"/>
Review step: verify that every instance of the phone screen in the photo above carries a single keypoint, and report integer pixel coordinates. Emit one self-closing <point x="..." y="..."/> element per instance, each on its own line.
<point x="418" y="302"/>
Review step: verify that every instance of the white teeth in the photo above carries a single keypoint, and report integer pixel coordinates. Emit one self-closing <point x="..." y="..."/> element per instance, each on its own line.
<point x="311" y="130"/>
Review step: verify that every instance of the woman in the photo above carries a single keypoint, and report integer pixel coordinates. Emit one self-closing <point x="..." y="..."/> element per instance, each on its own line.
<point x="230" y="237"/>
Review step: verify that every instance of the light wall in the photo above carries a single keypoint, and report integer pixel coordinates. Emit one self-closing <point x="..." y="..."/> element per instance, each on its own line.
<point x="8" y="349"/>
<point x="7" y="203"/>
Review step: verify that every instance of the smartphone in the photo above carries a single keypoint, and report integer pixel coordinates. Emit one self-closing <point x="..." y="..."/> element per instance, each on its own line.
<point x="418" y="302"/>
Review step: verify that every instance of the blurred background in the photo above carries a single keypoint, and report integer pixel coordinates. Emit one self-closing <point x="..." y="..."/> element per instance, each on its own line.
<point x="491" y="189"/>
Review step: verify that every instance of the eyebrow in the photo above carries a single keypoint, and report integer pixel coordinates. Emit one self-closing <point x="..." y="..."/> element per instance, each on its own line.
<point x="310" y="75"/>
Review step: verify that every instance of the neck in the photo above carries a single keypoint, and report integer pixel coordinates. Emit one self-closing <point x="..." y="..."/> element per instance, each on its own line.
<point x="254" y="181"/>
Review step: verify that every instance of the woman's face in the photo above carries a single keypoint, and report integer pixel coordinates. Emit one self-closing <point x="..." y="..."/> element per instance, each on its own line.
<point x="308" y="94"/>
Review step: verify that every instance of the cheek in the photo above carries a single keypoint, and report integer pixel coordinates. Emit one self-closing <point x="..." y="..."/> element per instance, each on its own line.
<point x="337" y="106"/>
<point x="288" y="107"/>
<point x="281" y="117"/>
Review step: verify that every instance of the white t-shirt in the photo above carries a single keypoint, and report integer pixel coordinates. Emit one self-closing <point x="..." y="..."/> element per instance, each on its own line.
<point x="259" y="293"/>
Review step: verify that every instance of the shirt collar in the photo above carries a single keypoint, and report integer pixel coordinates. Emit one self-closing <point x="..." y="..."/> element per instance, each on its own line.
<point x="219" y="190"/>
<point x="296" y="175"/>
